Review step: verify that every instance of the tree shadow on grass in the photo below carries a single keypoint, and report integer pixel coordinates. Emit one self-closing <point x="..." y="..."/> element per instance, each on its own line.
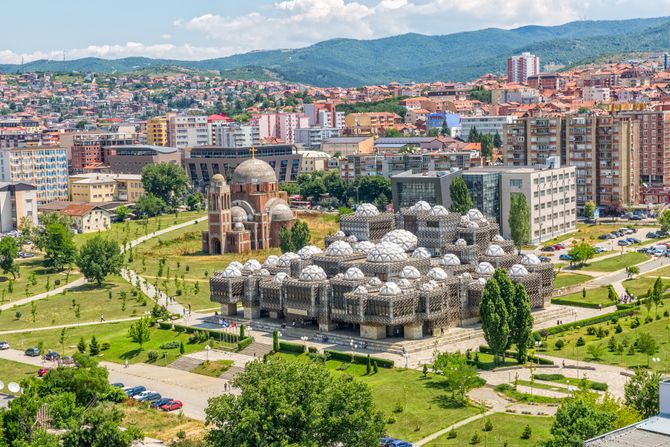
<point x="446" y="402"/>
<point x="129" y="355"/>
<point x="91" y="286"/>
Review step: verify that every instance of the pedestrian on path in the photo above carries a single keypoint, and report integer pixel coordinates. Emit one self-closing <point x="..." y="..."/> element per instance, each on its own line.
<point x="102" y="318"/>
<point x="125" y="364"/>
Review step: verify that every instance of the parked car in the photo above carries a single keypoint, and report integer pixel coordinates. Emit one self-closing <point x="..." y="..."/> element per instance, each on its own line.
<point x="32" y="352"/>
<point x="623" y="243"/>
<point x="652" y="235"/>
<point x="633" y="240"/>
<point x="4" y="345"/>
<point x="636" y="217"/>
<point x="42" y="372"/>
<point x="117" y="385"/>
<point x="25" y="254"/>
<point x="565" y="257"/>
<point x="160" y="402"/>
<point x="149" y="396"/>
<point x="391" y="442"/>
<point x="599" y="250"/>
<point x="67" y="360"/>
<point x="51" y="355"/>
<point x="548" y="248"/>
<point x="559" y="247"/>
<point x="134" y="390"/>
<point x="173" y="405"/>
<point x="544" y="258"/>
<point x="143" y="394"/>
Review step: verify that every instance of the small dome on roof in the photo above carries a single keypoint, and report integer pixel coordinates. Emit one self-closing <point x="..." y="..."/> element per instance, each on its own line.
<point x="465" y="276"/>
<point x="236" y="264"/>
<point x="251" y="265"/>
<point x="450" y="259"/>
<point x="366" y="209"/>
<point x="420" y="206"/>
<point x="238" y="214"/>
<point x="253" y="171"/>
<point x="403" y="238"/>
<point x="530" y="259"/>
<point x="351" y="239"/>
<point x="410" y="272"/>
<point x="340" y="233"/>
<point x="281" y="213"/>
<point x="280" y="277"/>
<point x="437" y="274"/>
<point x="483" y="222"/>
<point x="231" y="272"/>
<point x="339" y="248"/>
<point x="460" y="242"/>
<point x="307" y="251"/>
<point x="390" y="289"/>
<point x="485" y="268"/>
<point x="421" y="253"/>
<point x="386" y="252"/>
<point x="218" y="179"/>
<point x="238" y="226"/>
<point x="464" y="221"/>
<point x="364" y="247"/>
<point x="312" y="273"/>
<point x="264" y="272"/>
<point x="497" y="238"/>
<point x="285" y="259"/>
<point x="404" y="284"/>
<point x="439" y="210"/>
<point x="353" y="274"/>
<point x="375" y="282"/>
<point x="472" y="224"/>
<point x="427" y="287"/>
<point x="271" y="261"/>
<point x="518" y="271"/>
<point x="481" y="281"/>
<point x="495" y="250"/>
<point x="475" y="214"/>
<point x="360" y="289"/>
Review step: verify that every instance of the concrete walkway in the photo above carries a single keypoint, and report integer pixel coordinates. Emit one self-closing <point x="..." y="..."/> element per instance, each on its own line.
<point x="60" y="326"/>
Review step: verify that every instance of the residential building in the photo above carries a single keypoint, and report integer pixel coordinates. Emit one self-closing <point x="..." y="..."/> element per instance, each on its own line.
<point x="157" y="131"/>
<point x="18" y="203"/>
<point x="436" y="120"/>
<point x="485" y="125"/>
<point x="323" y="115"/>
<point x="369" y="123"/>
<point x="311" y="137"/>
<point x="521" y="66"/>
<point x="132" y="159"/>
<point x="101" y="188"/>
<point x="87" y="217"/>
<point x="654" y="146"/>
<point x="546" y="81"/>
<point x="90" y="149"/>
<point x="202" y="163"/>
<point x="432" y="187"/>
<point x="279" y="126"/>
<point x="596" y="94"/>
<point x="41" y="166"/>
<point x="579" y="150"/>
<point x="187" y="131"/>
<point x="531" y="140"/>
<point x="345" y="146"/>
<point x="235" y="135"/>
<point x="313" y="161"/>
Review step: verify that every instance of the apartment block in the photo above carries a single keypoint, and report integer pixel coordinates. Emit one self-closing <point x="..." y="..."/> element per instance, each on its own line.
<point x="312" y="137"/>
<point x="521" y="66"/>
<point x="91" y="149"/>
<point x="369" y="123"/>
<point x="279" y="126"/>
<point x="487" y="125"/>
<point x="187" y="131"/>
<point x="618" y="155"/>
<point x="157" y="131"/>
<point x="18" y="202"/>
<point x="345" y="146"/>
<point x="580" y="152"/>
<point x="654" y="146"/>
<point x="235" y="135"/>
<point x="532" y="140"/>
<point x="41" y="166"/>
<point x="101" y="188"/>
<point x="132" y="159"/>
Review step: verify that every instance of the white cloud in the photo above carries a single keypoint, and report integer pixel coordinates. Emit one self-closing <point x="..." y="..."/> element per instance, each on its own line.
<point x="166" y="36"/>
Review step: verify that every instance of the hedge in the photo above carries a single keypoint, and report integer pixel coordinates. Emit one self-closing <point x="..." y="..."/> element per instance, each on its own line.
<point x="213" y="333"/>
<point x="360" y="359"/>
<point x="164" y="325"/>
<point x="244" y="343"/>
<point x="293" y="348"/>
<point x="511" y="354"/>
<point x="565" y="302"/>
<point x="586" y="322"/>
<point x="312" y="350"/>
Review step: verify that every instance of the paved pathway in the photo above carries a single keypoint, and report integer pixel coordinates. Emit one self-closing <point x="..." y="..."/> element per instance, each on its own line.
<point x="60" y="326"/>
<point x="71" y="285"/>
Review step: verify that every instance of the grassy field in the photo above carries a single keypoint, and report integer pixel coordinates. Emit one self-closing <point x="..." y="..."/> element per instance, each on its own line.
<point x="213" y="368"/>
<point x="14" y="372"/>
<point x="93" y="303"/>
<point x="158" y="424"/>
<point x="569" y="279"/>
<point x="32" y="279"/>
<point x="507" y="430"/>
<point x="116" y="334"/>
<point x="594" y="297"/>
<point x="424" y="402"/>
<point x="617" y="262"/>
<point x="663" y="271"/>
<point x="641" y="285"/>
<point x="187" y="269"/>
<point x="590" y="233"/>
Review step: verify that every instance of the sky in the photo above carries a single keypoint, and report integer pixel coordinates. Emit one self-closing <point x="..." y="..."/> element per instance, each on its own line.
<point x="202" y="29"/>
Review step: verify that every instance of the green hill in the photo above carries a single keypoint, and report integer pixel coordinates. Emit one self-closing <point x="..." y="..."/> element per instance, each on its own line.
<point x="407" y="57"/>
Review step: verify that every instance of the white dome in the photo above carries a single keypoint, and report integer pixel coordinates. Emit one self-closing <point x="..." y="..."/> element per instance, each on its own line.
<point x="351" y="239"/>
<point x="366" y="209"/>
<point x="437" y="274"/>
<point x="238" y="226"/>
<point x="285" y="259"/>
<point x="465" y="276"/>
<point x="238" y="214"/>
<point x="451" y="259"/>
<point x="390" y="289"/>
<point x="517" y="271"/>
<point x="485" y="268"/>
<point x="420" y="206"/>
<point x="495" y="250"/>
<point x="483" y="221"/>
<point x="472" y="224"/>
<point x="427" y="287"/>
<point x="280" y="277"/>
<point x="481" y="281"/>
<point x="497" y="238"/>
<point x="312" y="273"/>
<point x="231" y="272"/>
<point x="460" y="242"/>
<point x="530" y="259"/>
<point x="252" y="265"/>
<point x="271" y="261"/>
<point x="264" y="272"/>
<point x="375" y="282"/>
<point x="439" y="210"/>
<point x="464" y="221"/>
<point x="475" y="214"/>
<point x="340" y="233"/>
<point x="364" y="246"/>
<point x="236" y="264"/>
<point x="353" y="274"/>
<point x="387" y="252"/>
<point x="404" y="284"/>
<point x="360" y="289"/>
<point x="307" y="251"/>
<point x="421" y="253"/>
<point x="410" y="272"/>
<point x="339" y="248"/>
<point x="403" y="238"/>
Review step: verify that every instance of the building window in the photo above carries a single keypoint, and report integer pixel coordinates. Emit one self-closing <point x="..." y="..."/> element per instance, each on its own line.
<point x="516" y="183"/>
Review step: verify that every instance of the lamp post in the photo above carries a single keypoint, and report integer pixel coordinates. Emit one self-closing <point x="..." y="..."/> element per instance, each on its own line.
<point x="207" y="349"/>
<point x="351" y="343"/>
<point x="304" y="339"/>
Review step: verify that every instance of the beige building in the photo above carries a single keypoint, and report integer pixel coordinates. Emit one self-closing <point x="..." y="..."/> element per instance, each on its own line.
<point x="157" y="131"/>
<point x="313" y="161"/>
<point x="18" y="202"/>
<point x="101" y="188"/>
<point x="87" y="217"/>
<point x="345" y="146"/>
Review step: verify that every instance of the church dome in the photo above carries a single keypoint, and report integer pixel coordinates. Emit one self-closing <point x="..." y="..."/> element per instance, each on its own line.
<point x="238" y="214"/>
<point x="253" y="171"/>
<point x="281" y="213"/>
<point x="238" y="226"/>
<point x="218" y="179"/>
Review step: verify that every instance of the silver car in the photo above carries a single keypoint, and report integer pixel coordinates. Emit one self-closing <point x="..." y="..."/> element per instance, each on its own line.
<point x="4" y="345"/>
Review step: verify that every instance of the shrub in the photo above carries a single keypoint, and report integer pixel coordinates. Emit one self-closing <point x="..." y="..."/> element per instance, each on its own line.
<point x="181" y="347"/>
<point x="488" y="425"/>
<point x="164" y="325"/>
<point x="527" y="432"/>
<point x="586" y="322"/>
<point x="476" y="439"/>
<point x="599" y="386"/>
<point x="618" y="329"/>
<point x="174" y="344"/>
<point x="590" y="330"/>
<point x="559" y="344"/>
<point x="360" y="359"/>
<point x="152" y="356"/>
<point x="244" y="343"/>
<point x="549" y="377"/>
<point x="451" y="434"/>
<point x="291" y="347"/>
<point x="105" y="346"/>
<point x="398" y="408"/>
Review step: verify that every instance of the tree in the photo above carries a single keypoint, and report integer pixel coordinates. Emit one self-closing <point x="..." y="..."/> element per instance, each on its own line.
<point x="523" y="324"/>
<point x="657" y="293"/>
<point x="589" y="210"/>
<point x="582" y="252"/>
<point x="285" y="240"/>
<point x="61" y="340"/>
<point x="282" y="402"/>
<point x="646" y="344"/>
<point x="664" y="220"/>
<point x="99" y="257"/>
<point x="494" y="318"/>
<point x="122" y="213"/>
<point x="596" y="350"/>
<point x="473" y="135"/>
<point x="391" y="132"/>
<point x="149" y="206"/>
<point x="94" y="347"/>
<point x="632" y="270"/>
<point x="461" y="201"/>
<point x="444" y="130"/>
<point x="497" y="140"/>
<point x="195" y="201"/>
<point x="433" y="132"/>
<point x="486" y="142"/>
<point x="8" y="252"/>
<point x="140" y="331"/>
<point x="59" y="247"/>
<point x="369" y="187"/>
<point x="166" y="181"/>
<point x="81" y="346"/>
<point x="100" y="427"/>
<point x="641" y="392"/>
<point x="519" y="220"/>
<point x="300" y="235"/>
<point x="460" y="376"/>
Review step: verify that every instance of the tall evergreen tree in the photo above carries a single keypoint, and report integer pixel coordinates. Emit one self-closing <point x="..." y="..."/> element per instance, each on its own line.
<point x="285" y="240"/>
<point x="519" y="220"/>
<point x="523" y="322"/>
<point x="497" y="140"/>
<point x="494" y="316"/>
<point x="507" y="291"/>
<point x="473" y="135"/>
<point x="461" y="201"/>
<point x="445" y="131"/>
<point x="300" y="235"/>
<point x="486" y="142"/>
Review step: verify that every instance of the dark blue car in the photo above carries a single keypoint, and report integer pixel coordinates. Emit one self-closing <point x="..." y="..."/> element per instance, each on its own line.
<point x="160" y="402"/>
<point x="134" y="390"/>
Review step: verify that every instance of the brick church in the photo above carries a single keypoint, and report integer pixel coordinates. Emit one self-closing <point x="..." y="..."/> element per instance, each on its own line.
<point x="247" y="214"/>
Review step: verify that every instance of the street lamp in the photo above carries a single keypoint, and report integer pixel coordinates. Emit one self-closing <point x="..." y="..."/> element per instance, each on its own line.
<point x="304" y="339"/>
<point x="207" y="349"/>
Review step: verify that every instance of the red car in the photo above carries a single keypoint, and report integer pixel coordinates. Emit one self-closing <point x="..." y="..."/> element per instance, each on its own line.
<point x="42" y="372"/>
<point x="171" y="406"/>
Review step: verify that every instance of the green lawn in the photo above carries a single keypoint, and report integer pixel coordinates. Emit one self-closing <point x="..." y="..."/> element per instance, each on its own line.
<point x="213" y="368"/>
<point x="507" y="429"/>
<point x="617" y="262"/>
<point x="425" y="405"/>
<point x="663" y="271"/>
<point x="32" y="279"/>
<point x="14" y="372"/>
<point x="116" y="334"/>
<point x="639" y="286"/>
<point x="93" y="303"/>
<point x="594" y="297"/>
<point x="563" y="279"/>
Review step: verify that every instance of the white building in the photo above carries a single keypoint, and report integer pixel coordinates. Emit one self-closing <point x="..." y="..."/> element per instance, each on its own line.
<point x="596" y="94"/>
<point x="521" y="66"/>
<point x="280" y="125"/>
<point x="188" y="131"/>
<point x="312" y="161"/>
<point x="41" y="166"/>
<point x="488" y="125"/>
<point x="313" y="136"/>
<point x="235" y="135"/>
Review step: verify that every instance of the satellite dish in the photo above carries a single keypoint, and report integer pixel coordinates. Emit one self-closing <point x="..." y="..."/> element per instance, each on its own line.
<point x="2" y="385"/>
<point x="14" y="387"/>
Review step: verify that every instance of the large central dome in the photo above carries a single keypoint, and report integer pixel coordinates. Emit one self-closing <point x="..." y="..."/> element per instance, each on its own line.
<point x="254" y="171"/>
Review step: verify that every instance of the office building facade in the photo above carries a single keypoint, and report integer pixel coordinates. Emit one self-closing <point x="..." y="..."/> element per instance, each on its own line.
<point x="41" y="166"/>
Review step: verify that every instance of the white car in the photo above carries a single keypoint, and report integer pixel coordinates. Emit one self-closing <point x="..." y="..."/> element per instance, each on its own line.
<point x="143" y="394"/>
<point x="4" y="345"/>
